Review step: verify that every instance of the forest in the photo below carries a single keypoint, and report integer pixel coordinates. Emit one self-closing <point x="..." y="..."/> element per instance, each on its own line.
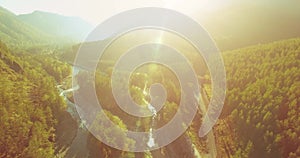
<point x="30" y="103"/>
<point x="260" y="116"/>
<point x="39" y="117"/>
<point x="261" y="110"/>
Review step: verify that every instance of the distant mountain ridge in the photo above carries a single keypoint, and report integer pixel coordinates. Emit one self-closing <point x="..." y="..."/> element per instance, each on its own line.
<point x="15" y="32"/>
<point x="240" y="25"/>
<point x="248" y="23"/>
<point x="40" y="28"/>
<point x="58" y="25"/>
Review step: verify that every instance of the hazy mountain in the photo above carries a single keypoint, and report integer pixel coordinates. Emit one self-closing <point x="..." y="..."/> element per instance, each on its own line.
<point x="15" y="32"/>
<point x="58" y="25"/>
<point x="241" y="24"/>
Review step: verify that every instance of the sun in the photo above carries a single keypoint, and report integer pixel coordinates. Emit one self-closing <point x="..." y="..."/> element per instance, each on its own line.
<point x="195" y="6"/>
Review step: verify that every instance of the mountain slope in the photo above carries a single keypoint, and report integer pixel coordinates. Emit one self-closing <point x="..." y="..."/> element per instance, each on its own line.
<point x="262" y="109"/>
<point x="58" y="25"/>
<point x="30" y="105"/>
<point x="247" y="23"/>
<point x="15" y="32"/>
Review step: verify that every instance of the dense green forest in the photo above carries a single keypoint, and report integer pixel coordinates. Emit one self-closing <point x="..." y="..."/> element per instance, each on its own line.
<point x="260" y="117"/>
<point x="262" y="107"/>
<point x="30" y="103"/>
<point x="139" y="81"/>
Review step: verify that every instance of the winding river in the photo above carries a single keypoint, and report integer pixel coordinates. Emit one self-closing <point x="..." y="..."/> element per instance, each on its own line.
<point x="78" y="147"/>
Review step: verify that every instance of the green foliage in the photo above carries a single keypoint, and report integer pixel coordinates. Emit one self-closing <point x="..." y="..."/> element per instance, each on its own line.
<point x="29" y="106"/>
<point x="263" y="98"/>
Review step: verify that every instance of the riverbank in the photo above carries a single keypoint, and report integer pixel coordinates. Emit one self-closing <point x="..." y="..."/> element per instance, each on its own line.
<point x="71" y="136"/>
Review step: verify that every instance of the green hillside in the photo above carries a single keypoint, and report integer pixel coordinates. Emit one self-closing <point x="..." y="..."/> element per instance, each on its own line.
<point x="57" y="25"/>
<point x="260" y="117"/>
<point x="261" y="114"/>
<point x="262" y="106"/>
<point x="15" y="32"/>
<point x="246" y="23"/>
<point x="31" y="107"/>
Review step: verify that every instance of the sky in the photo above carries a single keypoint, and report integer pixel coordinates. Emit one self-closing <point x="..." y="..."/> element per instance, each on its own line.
<point x="95" y="11"/>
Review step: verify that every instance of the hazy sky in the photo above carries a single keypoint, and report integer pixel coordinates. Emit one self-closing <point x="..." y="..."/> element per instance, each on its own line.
<point x="95" y="11"/>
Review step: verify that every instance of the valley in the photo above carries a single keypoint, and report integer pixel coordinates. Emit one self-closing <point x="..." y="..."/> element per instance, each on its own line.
<point x="39" y="115"/>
